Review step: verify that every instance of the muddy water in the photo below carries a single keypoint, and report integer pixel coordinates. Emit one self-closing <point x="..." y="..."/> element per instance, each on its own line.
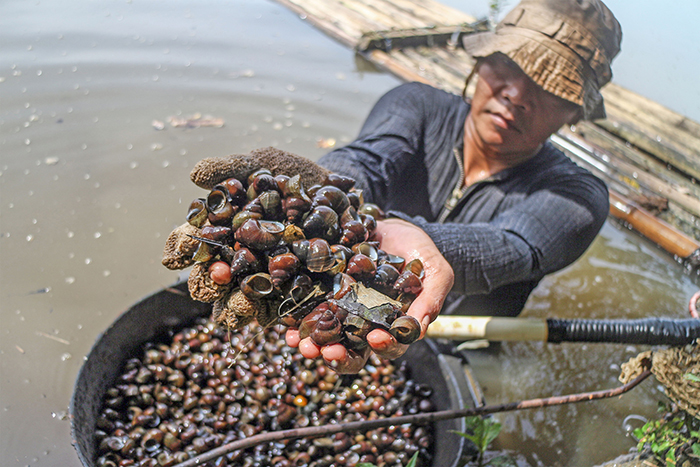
<point x="89" y="189"/>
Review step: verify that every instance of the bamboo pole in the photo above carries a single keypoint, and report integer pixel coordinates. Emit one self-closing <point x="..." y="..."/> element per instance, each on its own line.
<point x="653" y="144"/>
<point x="658" y="231"/>
<point x="636" y="177"/>
<point x="386" y="62"/>
<point x="319" y="22"/>
<point x="618" y="149"/>
<point x="675" y="131"/>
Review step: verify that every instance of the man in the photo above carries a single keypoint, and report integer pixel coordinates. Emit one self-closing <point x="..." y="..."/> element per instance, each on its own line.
<point x="474" y="189"/>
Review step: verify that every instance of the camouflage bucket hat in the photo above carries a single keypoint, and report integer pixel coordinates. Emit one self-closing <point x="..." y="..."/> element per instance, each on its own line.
<point x="565" y="46"/>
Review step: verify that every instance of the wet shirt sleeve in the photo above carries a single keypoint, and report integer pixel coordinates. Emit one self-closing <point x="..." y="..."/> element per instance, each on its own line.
<point x="389" y="144"/>
<point x="542" y="233"/>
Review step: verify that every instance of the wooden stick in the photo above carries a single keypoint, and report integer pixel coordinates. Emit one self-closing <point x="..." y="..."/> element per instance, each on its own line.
<point x="425" y="418"/>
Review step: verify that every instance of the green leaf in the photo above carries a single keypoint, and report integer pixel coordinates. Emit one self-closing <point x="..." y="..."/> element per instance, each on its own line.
<point x="413" y="461"/>
<point x="493" y="428"/>
<point x="671" y="458"/>
<point x="366" y="464"/>
<point x="471" y="438"/>
<point x="692" y="377"/>
<point x="665" y="445"/>
<point x="696" y="449"/>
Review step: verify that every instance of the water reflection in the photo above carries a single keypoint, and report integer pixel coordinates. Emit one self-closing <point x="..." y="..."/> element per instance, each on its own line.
<point x="90" y="187"/>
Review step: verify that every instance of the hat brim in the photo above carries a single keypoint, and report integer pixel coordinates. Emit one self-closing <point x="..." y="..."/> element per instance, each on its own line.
<point x="552" y="66"/>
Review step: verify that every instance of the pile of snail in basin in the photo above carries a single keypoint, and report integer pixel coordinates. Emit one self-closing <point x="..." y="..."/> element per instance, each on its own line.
<point x="272" y="250"/>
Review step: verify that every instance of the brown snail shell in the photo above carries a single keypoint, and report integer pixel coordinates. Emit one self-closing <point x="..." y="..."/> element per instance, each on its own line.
<point x="356" y="199"/>
<point x="282" y="268"/>
<point x="408" y="282"/>
<point x="295" y="189"/>
<point x="258" y="285"/>
<point x="218" y="233"/>
<point x="203" y="253"/>
<point x="384" y="279"/>
<point x="259" y="234"/>
<point x="406" y="329"/>
<point x="368" y="221"/>
<point x="342" y="182"/>
<point x="342" y="252"/>
<point x="354" y="231"/>
<point x="300" y="288"/>
<point x="221" y="211"/>
<point x="282" y="181"/>
<point x="271" y="202"/>
<point x="197" y="212"/>
<point x="396" y="261"/>
<point x="328" y="329"/>
<point x="367" y="249"/>
<point x="341" y="285"/>
<point x="254" y="206"/>
<point x="406" y="299"/>
<point x="309" y="322"/>
<point x="295" y="208"/>
<point x="244" y="262"/>
<point x="234" y="190"/>
<point x="252" y="176"/>
<point x="416" y="267"/>
<point x="361" y="267"/>
<point x="242" y="216"/>
<point x="350" y="214"/>
<point x="373" y="210"/>
<point x="322" y="222"/>
<point x="262" y="181"/>
<point x="316" y="254"/>
<point x="356" y="329"/>
<point x="333" y="197"/>
<point x="342" y="256"/>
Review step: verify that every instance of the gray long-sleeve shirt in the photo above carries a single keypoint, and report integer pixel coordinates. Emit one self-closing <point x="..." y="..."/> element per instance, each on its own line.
<point x="501" y="235"/>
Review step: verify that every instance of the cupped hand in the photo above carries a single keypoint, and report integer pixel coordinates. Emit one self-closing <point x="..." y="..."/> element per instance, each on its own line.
<point x="403" y="239"/>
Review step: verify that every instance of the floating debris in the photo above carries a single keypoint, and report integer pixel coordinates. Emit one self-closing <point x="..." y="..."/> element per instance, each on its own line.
<point x="196" y="121"/>
<point x="325" y="143"/>
<point x="158" y="125"/>
<point x="242" y="74"/>
<point x="52" y="337"/>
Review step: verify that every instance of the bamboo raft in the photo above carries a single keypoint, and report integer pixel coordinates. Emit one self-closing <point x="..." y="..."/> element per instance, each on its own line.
<point x="648" y="155"/>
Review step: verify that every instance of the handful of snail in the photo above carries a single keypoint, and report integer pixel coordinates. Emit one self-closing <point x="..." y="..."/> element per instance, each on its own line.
<point x="272" y="250"/>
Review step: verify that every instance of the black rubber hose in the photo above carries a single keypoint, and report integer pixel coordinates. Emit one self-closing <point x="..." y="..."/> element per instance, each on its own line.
<point x="649" y="331"/>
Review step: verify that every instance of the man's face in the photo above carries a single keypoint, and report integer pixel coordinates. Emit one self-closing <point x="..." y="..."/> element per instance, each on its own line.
<point x="510" y="114"/>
